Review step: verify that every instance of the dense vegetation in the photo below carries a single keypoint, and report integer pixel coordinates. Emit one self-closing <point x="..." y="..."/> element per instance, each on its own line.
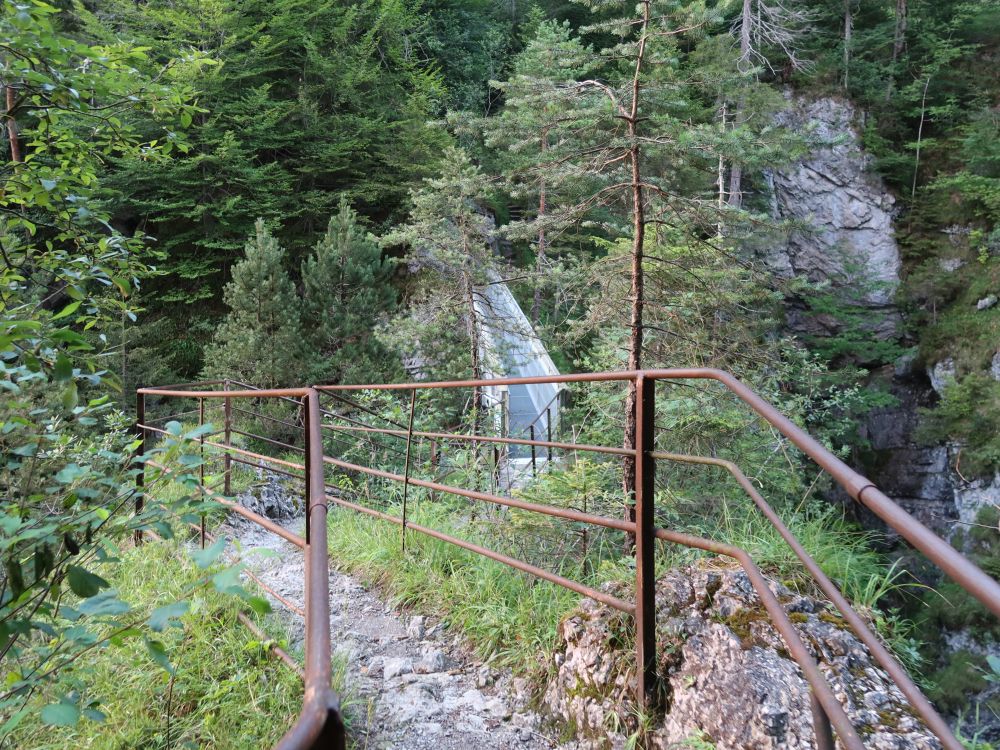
<point x="303" y="191"/>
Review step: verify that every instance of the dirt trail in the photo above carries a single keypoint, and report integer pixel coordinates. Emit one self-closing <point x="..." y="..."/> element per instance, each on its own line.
<point x="409" y="684"/>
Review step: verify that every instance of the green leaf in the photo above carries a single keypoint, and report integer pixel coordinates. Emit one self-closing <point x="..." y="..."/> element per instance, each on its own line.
<point x="105" y="603"/>
<point x="166" y="616"/>
<point x="83" y="583"/>
<point x="70" y="473"/>
<point x="68" y="310"/>
<point x="63" y="369"/>
<point x="70" y="397"/>
<point x="60" y="714"/>
<point x="228" y="581"/>
<point x="259" y="604"/>
<point x="158" y="653"/>
<point x="205" y="557"/>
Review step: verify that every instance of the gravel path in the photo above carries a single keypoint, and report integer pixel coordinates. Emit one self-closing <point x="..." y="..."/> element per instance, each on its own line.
<point x="409" y="684"/>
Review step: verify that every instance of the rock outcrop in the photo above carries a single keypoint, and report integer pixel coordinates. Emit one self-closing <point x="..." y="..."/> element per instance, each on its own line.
<point x="847" y="237"/>
<point x="730" y="683"/>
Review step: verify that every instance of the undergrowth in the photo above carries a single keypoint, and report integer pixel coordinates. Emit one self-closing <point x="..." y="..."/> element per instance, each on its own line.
<point x="227" y="691"/>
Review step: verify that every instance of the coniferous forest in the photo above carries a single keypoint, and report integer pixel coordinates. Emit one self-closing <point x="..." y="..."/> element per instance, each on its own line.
<point x="803" y="193"/>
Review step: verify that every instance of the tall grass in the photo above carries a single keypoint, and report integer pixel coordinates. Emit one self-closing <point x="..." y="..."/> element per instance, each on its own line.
<point x="508" y="616"/>
<point x="227" y="691"/>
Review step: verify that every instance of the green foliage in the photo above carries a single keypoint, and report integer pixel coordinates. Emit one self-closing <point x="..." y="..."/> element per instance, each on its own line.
<point x="346" y="295"/>
<point x="222" y="689"/>
<point x="969" y="414"/>
<point x="260" y="341"/>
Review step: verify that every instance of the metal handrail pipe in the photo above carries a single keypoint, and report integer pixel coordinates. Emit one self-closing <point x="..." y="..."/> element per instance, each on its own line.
<point x="319" y="723"/>
<point x="271" y="645"/>
<point x="284" y="422"/>
<point x="572" y="515"/>
<point x="489" y="439"/>
<point x="193" y="384"/>
<point x="258" y="388"/>
<point x="271" y="393"/>
<point x="882" y="655"/>
<point x="234" y="449"/>
<point x="953" y="563"/>
<point x="779" y="618"/>
<point x="255" y="578"/>
<point x="513" y="562"/>
<point x="272" y="441"/>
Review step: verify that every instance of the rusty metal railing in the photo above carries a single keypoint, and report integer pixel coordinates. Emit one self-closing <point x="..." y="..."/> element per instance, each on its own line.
<point x="828" y="714"/>
<point x="320" y="724"/>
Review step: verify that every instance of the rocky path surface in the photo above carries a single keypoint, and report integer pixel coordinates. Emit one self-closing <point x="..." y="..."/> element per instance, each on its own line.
<point x="409" y="684"/>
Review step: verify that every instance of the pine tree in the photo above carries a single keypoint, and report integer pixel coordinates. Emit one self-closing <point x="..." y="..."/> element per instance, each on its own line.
<point x="260" y="339"/>
<point x="346" y="291"/>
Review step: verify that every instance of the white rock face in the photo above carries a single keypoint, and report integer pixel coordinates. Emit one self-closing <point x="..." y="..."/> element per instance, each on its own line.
<point x="835" y="192"/>
<point x="995" y="366"/>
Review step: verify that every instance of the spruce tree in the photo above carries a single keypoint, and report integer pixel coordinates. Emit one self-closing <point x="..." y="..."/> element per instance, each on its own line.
<point x="535" y="131"/>
<point x="346" y="291"/>
<point x="450" y="238"/>
<point x="260" y="339"/>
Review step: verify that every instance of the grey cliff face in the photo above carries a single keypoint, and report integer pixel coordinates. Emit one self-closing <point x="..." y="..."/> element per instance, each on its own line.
<point x="844" y="210"/>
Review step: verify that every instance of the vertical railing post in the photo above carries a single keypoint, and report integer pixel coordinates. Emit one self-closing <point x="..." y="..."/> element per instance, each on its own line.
<point x="645" y="573"/>
<point x="534" y="469"/>
<point x="406" y="466"/>
<point x="228" y="426"/>
<point x="140" y="478"/>
<point x="307" y="436"/>
<point x="548" y="432"/>
<point x="821" y="725"/>
<point x="201" y="469"/>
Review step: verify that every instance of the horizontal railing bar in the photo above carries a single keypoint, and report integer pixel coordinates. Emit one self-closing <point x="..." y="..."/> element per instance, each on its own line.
<point x="284" y="422"/>
<point x="257" y="388"/>
<point x="501" y="558"/>
<point x="194" y="384"/>
<point x="243" y="511"/>
<point x="271" y="645"/>
<point x="234" y="449"/>
<point x="779" y="618"/>
<point x="178" y="414"/>
<point x="509" y="502"/>
<point x="289" y="604"/>
<point x="268" y="440"/>
<point x="360" y="425"/>
<point x="489" y="439"/>
<point x="271" y="393"/>
<point x="359" y="407"/>
<point x="895" y="670"/>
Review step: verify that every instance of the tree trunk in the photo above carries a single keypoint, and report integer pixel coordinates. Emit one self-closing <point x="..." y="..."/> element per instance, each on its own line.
<point x="746" y="47"/>
<point x="920" y="138"/>
<point x="898" y="43"/>
<point x="536" y="303"/>
<point x="638" y="239"/>
<point x="15" y="144"/>
<point x="848" y="32"/>
<point x="473" y="326"/>
<point x="736" y="170"/>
